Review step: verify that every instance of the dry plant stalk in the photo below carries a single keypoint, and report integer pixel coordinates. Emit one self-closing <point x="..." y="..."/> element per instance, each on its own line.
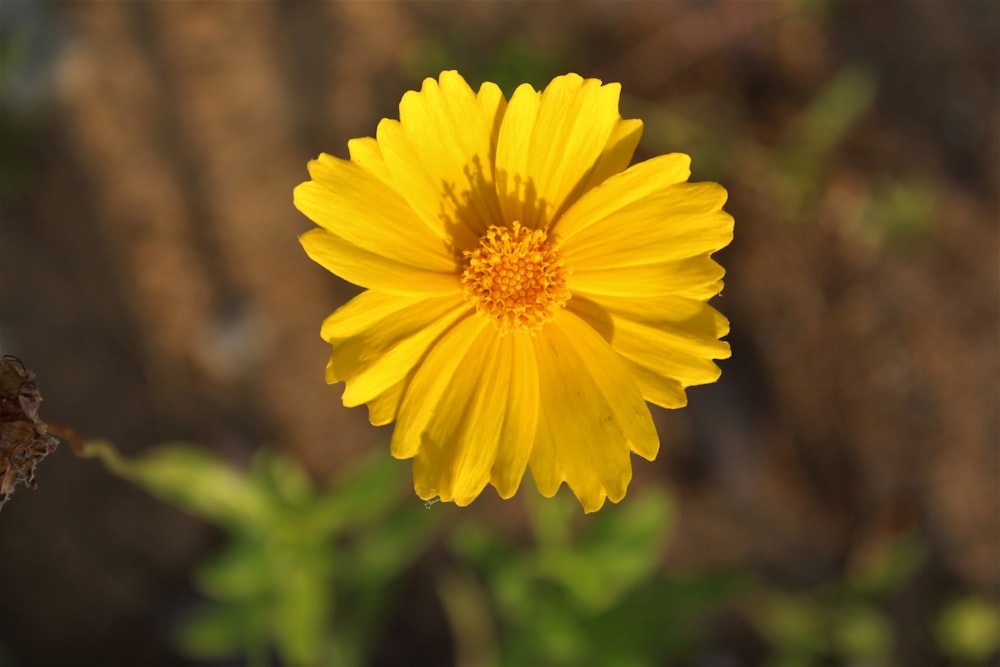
<point x="24" y="438"/>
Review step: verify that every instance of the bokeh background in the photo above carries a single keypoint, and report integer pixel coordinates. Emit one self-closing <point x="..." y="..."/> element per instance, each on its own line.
<point x="152" y="279"/>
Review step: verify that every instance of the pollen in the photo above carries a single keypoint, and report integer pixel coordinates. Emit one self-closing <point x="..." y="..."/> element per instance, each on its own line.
<point x="515" y="278"/>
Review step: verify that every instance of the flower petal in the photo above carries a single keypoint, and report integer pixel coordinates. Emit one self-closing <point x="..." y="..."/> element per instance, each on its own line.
<point x="555" y="144"/>
<point x="375" y="269"/>
<point x="366" y="154"/>
<point x="518" y="435"/>
<point x="440" y="156"/>
<point x="657" y="389"/>
<point x="592" y="414"/>
<point x="677" y="222"/>
<point x="383" y="408"/>
<point x="460" y="437"/>
<point x="423" y="398"/>
<point x="621" y="190"/>
<point x="481" y="429"/>
<point x="378" y="338"/>
<point x="673" y="338"/>
<point x="350" y="202"/>
<point x="617" y="153"/>
<point x="695" y="278"/>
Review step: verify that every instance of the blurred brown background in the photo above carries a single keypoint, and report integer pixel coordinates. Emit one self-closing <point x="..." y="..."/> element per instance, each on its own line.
<point x="152" y="278"/>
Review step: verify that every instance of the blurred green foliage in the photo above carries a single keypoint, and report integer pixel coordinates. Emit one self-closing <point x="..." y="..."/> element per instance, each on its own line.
<point x="293" y="554"/>
<point x="968" y="629"/>
<point x="306" y="576"/>
<point x="841" y="620"/>
<point x="822" y="127"/>
<point x="599" y="597"/>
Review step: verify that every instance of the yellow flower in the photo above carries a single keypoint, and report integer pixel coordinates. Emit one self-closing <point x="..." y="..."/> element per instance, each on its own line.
<point x="526" y="290"/>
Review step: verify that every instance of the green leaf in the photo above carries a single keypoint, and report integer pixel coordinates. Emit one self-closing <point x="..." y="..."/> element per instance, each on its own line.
<point x="550" y="635"/>
<point x="242" y="573"/>
<point x="282" y="478"/>
<point x="968" y="629"/>
<point x="480" y="545"/>
<point x="218" y="632"/>
<point x="191" y="479"/>
<point x="863" y="634"/>
<point x="400" y="539"/>
<point x="622" y="548"/>
<point x="359" y="498"/>
<point x="302" y="611"/>
<point x="831" y="116"/>
<point x="551" y="519"/>
<point x="905" y="209"/>
<point x="795" y="625"/>
<point x="654" y="622"/>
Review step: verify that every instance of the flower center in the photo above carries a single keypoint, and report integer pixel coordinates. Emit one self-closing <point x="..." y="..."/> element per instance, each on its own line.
<point x="515" y="277"/>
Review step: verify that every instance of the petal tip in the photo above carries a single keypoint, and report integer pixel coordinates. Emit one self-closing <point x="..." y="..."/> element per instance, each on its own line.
<point x="592" y="503"/>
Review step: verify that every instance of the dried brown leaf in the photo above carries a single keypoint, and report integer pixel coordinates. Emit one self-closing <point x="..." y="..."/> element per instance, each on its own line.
<point x="24" y="438"/>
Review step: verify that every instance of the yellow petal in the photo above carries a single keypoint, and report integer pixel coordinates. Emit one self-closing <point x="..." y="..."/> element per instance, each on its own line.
<point x="695" y="278"/>
<point x="366" y="154"/>
<point x="350" y="202"/>
<point x="518" y="436"/>
<point x="368" y="309"/>
<point x="691" y="318"/>
<point x="678" y="222"/>
<point x="377" y="269"/>
<point x="422" y="400"/>
<point x="657" y="389"/>
<point x="621" y="190"/>
<point x="513" y="151"/>
<point x="618" y="152"/>
<point x="473" y="427"/>
<point x="555" y="144"/>
<point x="673" y="338"/>
<point x="440" y="156"/>
<point x="592" y="414"/>
<point x="383" y="408"/>
<point x="378" y="338"/>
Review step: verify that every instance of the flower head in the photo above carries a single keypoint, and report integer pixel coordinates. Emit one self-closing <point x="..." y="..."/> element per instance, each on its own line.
<point x="526" y="291"/>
